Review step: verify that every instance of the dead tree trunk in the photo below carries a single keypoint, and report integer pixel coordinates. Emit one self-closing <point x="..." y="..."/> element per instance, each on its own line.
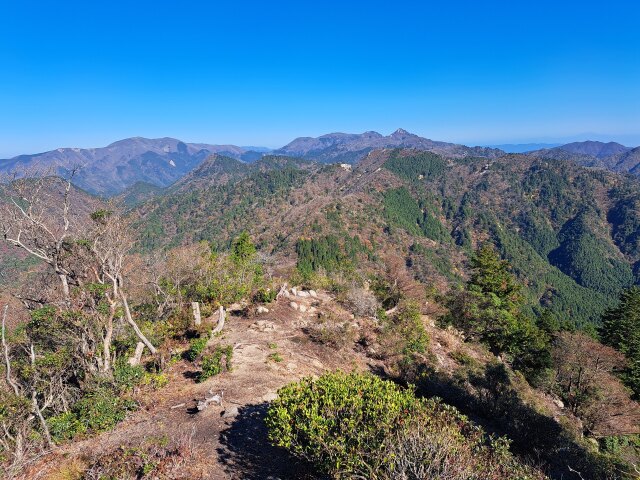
<point x="197" y="319"/>
<point x="36" y="408"/>
<point x="134" y="325"/>
<point x="65" y="287"/>
<point x="7" y="361"/>
<point x="137" y="356"/>
<point x="220" y="324"/>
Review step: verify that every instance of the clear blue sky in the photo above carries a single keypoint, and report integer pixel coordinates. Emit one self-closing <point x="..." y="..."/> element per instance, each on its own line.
<point x="260" y="73"/>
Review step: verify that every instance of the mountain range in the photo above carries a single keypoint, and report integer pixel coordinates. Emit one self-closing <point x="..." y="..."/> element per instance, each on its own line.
<point x="110" y="170"/>
<point x="610" y="156"/>
<point x="571" y="233"/>
<point x="138" y="165"/>
<point x="348" y="148"/>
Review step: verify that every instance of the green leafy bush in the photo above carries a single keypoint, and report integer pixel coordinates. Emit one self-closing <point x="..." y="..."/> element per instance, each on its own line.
<point x="265" y="295"/>
<point x="213" y="364"/>
<point x="65" y="427"/>
<point x="127" y="376"/>
<point x="359" y="426"/>
<point x="101" y="409"/>
<point x="196" y="346"/>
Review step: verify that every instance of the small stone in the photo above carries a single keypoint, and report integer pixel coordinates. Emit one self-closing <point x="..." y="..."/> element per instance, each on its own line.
<point x="262" y="309"/>
<point x="313" y="293"/>
<point x="263" y="325"/>
<point x="294" y="291"/>
<point x="302" y="293"/>
<point x="292" y="366"/>
<point x="294" y="305"/>
<point x="230" y="412"/>
<point x="269" y="397"/>
<point x="302" y="308"/>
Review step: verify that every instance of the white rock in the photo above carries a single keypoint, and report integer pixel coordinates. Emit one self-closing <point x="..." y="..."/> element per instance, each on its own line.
<point x="302" y="308"/>
<point x="294" y="291"/>
<point x="313" y="293"/>
<point x="263" y="325"/>
<point x="292" y="366"/>
<point x="269" y="397"/>
<point x="230" y="412"/>
<point x="302" y="293"/>
<point x="262" y="309"/>
<point x="294" y="305"/>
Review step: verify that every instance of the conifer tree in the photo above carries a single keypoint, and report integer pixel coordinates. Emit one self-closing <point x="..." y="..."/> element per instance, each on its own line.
<point x="621" y="330"/>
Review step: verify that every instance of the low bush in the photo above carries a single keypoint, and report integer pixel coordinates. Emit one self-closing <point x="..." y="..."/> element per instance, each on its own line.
<point x="362" y="303"/>
<point x="359" y="426"/>
<point x="265" y="295"/>
<point x="331" y="331"/>
<point x="102" y="409"/>
<point x="65" y="427"/>
<point x="196" y="347"/>
<point x="404" y="334"/>
<point x="127" y="376"/>
<point x="213" y="364"/>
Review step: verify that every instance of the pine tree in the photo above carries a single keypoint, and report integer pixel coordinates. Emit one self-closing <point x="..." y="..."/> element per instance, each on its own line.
<point x="621" y="330"/>
<point x="490" y="311"/>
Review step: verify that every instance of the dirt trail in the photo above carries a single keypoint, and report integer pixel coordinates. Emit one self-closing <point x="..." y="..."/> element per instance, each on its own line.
<point x="230" y="441"/>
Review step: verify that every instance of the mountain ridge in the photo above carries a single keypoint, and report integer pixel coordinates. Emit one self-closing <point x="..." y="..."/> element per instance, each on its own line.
<point x="340" y="147"/>
<point x="112" y="169"/>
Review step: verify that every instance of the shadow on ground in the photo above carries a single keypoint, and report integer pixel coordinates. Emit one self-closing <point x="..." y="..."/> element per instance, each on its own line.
<point x="246" y="453"/>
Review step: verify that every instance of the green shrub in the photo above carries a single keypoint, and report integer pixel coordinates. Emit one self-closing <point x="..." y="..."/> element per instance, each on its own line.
<point x="275" y="357"/>
<point x="155" y="380"/>
<point x="127" y="376"/>
<point x="101" y="409"/>
<point x="359" y="426"/>
<point x="265" y="295"/>
<point x="213" y="365"/>
<point x="65" y="427"/>
<point x="196" y="347"/>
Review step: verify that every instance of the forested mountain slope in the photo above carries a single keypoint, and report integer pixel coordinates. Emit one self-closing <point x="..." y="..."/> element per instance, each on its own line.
<point x="610" y="156"/>
<point x="573" y="233"/>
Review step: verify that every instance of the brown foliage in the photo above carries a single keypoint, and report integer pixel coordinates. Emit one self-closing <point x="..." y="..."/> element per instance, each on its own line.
<point x="584" y="376"/>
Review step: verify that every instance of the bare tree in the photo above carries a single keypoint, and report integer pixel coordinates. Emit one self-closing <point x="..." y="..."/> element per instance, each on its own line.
<point x="111" y="243"/>
<point x="37" y="218"/>
<point x="584" y="376"/>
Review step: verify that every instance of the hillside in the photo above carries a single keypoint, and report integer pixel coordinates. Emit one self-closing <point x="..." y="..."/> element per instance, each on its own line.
<point x="571" y="232"/>
<point x="384" y="269"/>
<point x="110" y="170"/>
<point x="349" y="148"/>
<point x="610" y="156"/>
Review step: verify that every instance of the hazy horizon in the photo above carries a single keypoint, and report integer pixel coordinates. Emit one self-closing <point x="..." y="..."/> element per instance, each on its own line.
<point x="626" y="140"/>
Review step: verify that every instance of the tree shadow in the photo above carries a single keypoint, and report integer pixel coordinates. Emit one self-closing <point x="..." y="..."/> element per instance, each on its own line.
<point x="490" y="399"/>
<point x="246" y="452"/>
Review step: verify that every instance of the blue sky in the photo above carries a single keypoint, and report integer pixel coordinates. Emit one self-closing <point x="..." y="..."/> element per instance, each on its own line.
<point x="261" y="73"/>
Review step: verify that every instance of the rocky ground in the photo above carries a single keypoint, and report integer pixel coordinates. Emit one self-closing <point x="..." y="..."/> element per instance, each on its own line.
<point x="228" y="441"/>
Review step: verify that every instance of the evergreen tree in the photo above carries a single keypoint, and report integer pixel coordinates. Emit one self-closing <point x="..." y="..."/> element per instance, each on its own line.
<point x="243" y="250"/>
<point x="621" y="330"/>
<point x="244" y="258"/>
<point x="490" y="311"/>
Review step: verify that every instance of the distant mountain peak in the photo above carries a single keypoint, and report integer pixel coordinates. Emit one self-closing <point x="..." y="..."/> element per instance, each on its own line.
<point x="595" y="148"/>
<point x="112" y="169"/>
<point x="401" y="132"/>
<point x="350" y="147"/>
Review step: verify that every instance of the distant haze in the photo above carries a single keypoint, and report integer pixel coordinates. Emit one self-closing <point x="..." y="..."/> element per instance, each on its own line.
<point x="524" y="147"/>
